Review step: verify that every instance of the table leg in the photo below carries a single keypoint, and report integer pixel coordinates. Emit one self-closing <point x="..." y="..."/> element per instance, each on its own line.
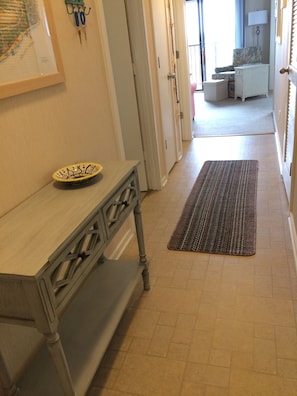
<point x="141" y="248"/>
<point x="55" y="348"/>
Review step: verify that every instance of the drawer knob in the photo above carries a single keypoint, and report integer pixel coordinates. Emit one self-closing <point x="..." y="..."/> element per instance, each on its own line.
<point x="124" y="203"/>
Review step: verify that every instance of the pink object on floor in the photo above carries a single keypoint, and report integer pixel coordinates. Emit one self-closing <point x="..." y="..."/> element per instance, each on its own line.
<point x="193" y="89"/>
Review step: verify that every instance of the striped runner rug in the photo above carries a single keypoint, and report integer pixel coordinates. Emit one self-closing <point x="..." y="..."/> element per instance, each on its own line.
<point x="220" y="213"/>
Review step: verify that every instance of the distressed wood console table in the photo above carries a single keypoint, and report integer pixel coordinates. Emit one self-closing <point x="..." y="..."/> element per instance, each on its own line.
<point x="54" y="277"/>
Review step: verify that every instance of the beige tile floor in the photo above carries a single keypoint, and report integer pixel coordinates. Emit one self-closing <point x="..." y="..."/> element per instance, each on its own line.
<point x="211" y="325"/>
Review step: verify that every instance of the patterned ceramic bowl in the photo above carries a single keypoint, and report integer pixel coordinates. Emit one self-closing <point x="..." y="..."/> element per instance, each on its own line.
<point x="77" y="172"/>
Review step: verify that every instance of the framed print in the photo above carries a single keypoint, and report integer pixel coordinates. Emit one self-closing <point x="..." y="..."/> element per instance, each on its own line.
<point x="29" y="53"/>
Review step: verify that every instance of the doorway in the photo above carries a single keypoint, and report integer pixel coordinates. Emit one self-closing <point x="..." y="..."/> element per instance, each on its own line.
<point x="289" y="79"/>
<point x="143" y="21"/>
<point x="122" y="67"/>
<point x="128" y="29"/>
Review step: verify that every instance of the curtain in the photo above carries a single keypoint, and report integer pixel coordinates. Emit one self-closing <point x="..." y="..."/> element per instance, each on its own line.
<point x="219" y="30"/>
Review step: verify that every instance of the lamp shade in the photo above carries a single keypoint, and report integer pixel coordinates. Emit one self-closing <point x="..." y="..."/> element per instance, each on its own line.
<point x="258" y="18"/>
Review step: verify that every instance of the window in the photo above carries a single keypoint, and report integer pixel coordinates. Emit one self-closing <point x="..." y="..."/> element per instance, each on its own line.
<point x="219" y="31"/>
<point x="211" y="36"/>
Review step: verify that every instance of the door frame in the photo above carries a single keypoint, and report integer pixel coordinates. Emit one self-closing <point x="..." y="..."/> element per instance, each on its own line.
<point x="156" y="177"/>
<point x="183" y="69"/>
<point x="285" y="11"/>
<point x="143" y="81"/>
<point x="148" y="87"/>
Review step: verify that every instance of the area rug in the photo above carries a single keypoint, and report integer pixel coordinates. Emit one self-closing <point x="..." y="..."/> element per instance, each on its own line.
<point x="220" y="213"/>
<point x="231" y="117"/>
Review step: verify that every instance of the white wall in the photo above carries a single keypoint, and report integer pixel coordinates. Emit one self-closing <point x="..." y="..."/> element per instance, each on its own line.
<point x="46" y="129"/>
<point x="250" y="31"/>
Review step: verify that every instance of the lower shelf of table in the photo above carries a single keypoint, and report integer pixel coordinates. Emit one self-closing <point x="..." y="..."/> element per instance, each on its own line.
<point x="86" y="329"/>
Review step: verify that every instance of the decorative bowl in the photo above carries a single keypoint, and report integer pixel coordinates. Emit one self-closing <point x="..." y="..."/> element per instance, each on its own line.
<point x="76" y="173"/>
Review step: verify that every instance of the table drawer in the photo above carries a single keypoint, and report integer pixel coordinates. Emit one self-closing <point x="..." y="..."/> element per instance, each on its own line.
<point x="120" y="205"/>
<point x="76" y="257"/>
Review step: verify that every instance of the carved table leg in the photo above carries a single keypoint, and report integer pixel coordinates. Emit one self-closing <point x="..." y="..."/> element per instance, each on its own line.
<point x="56" y="350"/>
<point x="140" y="239"/>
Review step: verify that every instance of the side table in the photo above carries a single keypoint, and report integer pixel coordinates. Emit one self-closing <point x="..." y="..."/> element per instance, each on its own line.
<point x="251" y="80"/>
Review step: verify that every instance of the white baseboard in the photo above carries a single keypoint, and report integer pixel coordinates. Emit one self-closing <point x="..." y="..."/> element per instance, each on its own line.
<point x="121" y="245"/>
<point x="278" y="145"/>
<point x="164" y="181"/>
<point x="293" y="237"/>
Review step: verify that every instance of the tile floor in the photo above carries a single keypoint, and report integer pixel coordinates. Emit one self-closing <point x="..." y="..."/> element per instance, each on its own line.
<point x="211" y="325"/>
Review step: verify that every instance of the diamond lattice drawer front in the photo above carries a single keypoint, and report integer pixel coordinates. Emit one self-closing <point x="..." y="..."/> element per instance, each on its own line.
<point x="122" y="202"/>
<point x="69" y="262"/>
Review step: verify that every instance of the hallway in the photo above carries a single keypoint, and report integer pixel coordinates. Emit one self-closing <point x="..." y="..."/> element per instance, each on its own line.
<point x="211" y="325"/>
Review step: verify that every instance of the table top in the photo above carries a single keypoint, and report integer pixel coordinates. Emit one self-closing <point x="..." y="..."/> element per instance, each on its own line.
<point x="31" y="232"/>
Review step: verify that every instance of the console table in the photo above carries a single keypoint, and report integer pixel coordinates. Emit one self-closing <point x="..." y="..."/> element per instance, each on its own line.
<point x="54" y="277"/>
<point x="251" y="80"/>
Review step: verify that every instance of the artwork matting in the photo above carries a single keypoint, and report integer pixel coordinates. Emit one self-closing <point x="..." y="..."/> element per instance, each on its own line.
<point x="29" y="53"/>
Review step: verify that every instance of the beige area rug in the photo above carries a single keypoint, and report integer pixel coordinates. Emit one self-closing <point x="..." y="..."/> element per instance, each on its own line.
<point x="231" y="117"/>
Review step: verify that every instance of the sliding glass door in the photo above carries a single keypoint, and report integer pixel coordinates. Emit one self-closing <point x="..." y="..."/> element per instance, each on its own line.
<point x="219" y="31"/>
<point x="211" y="36"/>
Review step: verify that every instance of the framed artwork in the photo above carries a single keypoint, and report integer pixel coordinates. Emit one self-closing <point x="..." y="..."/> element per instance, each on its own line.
<point x="29" y="53"/>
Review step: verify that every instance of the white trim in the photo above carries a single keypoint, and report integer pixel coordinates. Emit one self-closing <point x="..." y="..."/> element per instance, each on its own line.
<point x="110" y="80"/>
<point x="150" y="139"/>
<point x="164" y="181"/>
<point x="272" y="46"/>
<point x="183" y="69"/>
<point x="293" y="237"/>
<point x="278" y="145"/>
<point x="121" y="245"/>
<point x="142" y="70"/>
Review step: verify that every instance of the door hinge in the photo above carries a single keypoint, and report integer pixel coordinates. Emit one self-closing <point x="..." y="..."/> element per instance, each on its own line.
<point x="181" y="114"/>
<point x="177" y="54"/>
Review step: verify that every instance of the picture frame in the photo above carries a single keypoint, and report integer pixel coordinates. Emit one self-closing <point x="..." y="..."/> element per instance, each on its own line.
<point x="29" y="54"/>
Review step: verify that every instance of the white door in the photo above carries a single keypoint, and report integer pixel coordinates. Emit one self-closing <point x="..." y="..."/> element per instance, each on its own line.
<point x="291" y="70"/>
<point x="122" y="65"/>
<point x="173" y="77"/>
<point x="161" y="11"/>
